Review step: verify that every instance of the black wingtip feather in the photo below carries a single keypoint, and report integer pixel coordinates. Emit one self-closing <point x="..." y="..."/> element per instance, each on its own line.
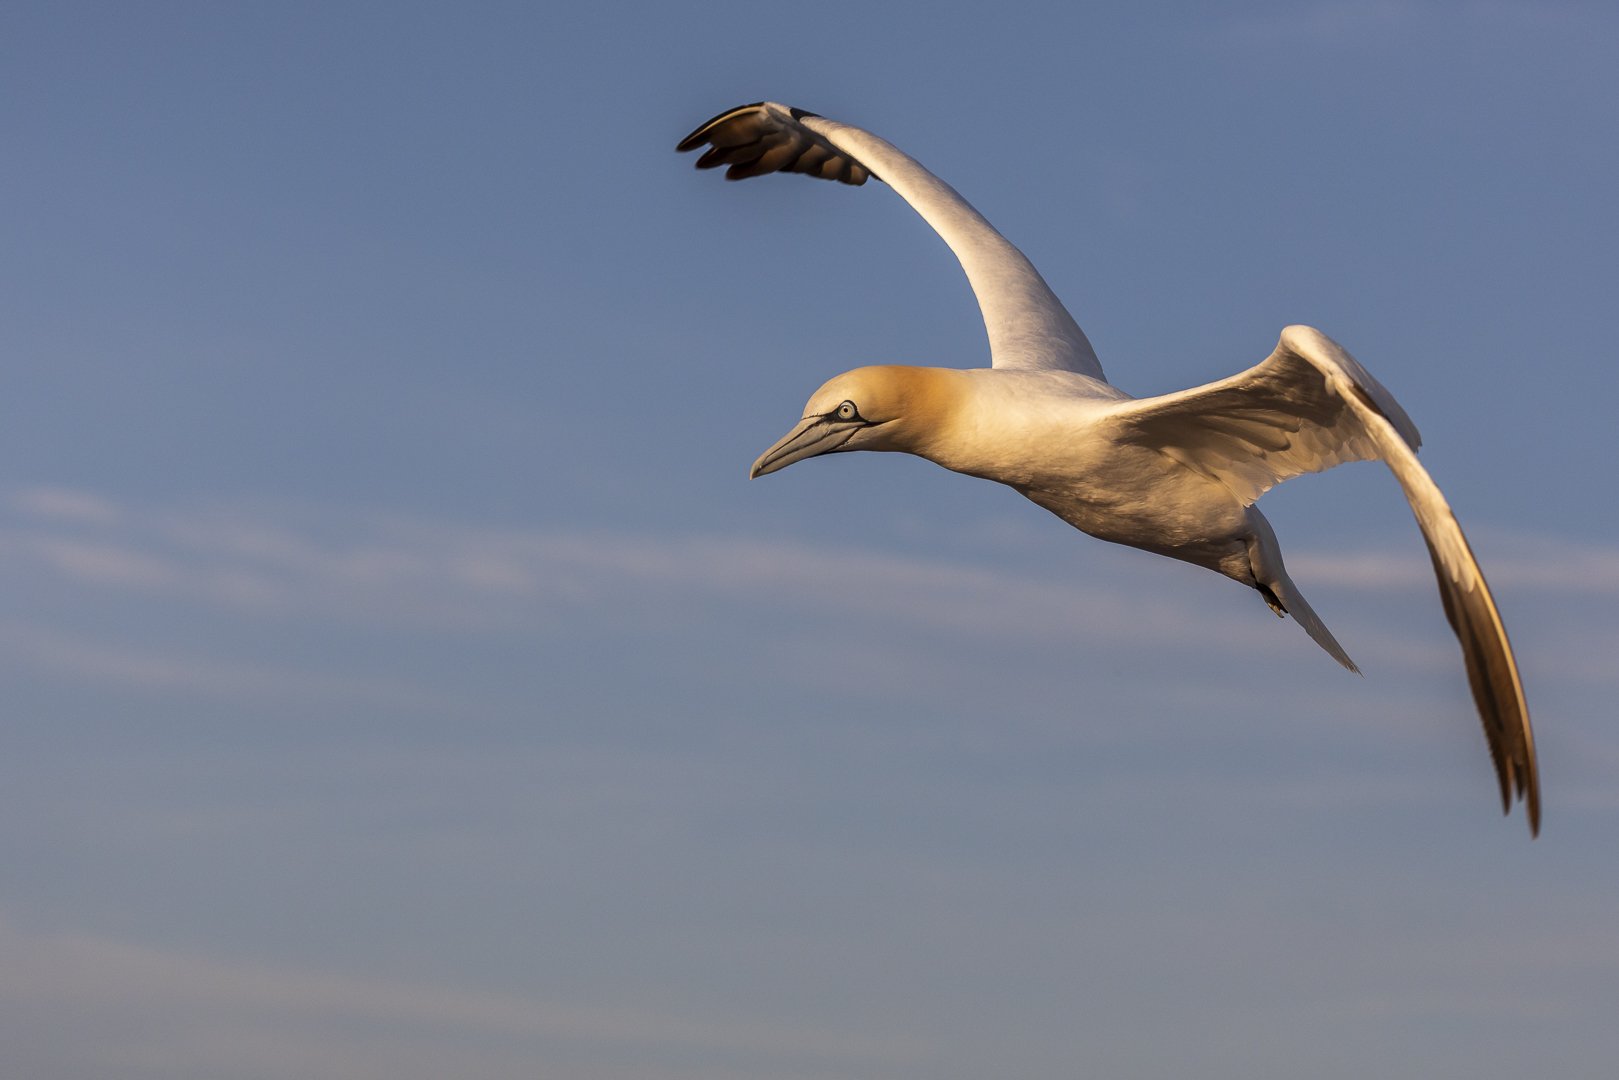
<point x="696" y="138"/>
<point x="752" y="141"/>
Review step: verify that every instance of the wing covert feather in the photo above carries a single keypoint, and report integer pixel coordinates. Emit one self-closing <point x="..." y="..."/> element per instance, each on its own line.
<point x="1277" y="420"/>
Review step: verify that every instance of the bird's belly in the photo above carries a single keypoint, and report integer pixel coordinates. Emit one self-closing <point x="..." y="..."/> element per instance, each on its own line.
<point x="1138" y="497"/>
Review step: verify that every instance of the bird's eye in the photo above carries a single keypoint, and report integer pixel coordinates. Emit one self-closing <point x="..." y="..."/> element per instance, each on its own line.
<point x="847" y="411"/>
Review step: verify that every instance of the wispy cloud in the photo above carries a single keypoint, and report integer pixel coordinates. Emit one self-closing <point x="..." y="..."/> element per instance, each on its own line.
<point x="149" y="1009"/>
<point x="381" y="571"/>
<point x="66" y="655"/>
<point x="381" y="567"/>
<point x="1514" y="561"/>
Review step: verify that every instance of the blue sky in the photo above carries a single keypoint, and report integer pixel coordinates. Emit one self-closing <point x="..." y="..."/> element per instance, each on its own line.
<point x="405" y="680"/>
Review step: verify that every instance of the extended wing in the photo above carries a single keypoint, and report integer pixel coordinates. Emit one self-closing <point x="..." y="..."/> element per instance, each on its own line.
<point x="1292" y="414"/>
<point x="1311" y="406"/>
<point x="1029" y="329"/>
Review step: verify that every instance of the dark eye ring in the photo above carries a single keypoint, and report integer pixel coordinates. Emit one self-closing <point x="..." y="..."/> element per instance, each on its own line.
<point x="847" y="411"/>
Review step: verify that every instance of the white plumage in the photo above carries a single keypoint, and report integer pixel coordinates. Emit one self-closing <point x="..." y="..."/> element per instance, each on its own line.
<point x="1176" y="474"/>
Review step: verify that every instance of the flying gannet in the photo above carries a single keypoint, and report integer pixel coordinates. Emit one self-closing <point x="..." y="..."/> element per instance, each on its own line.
<point x="1176" y="474"/>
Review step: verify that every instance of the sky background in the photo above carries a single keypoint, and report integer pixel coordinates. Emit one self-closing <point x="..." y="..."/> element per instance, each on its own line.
<point x="403" y="680"/>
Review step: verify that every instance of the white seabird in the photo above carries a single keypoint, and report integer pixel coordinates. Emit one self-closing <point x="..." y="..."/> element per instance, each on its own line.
<point x="1176" y="474"/>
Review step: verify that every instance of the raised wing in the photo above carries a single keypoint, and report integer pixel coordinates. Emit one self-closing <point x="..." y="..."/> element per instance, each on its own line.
<point x="1029" y="329"/>
<point x="1311" y="406"/>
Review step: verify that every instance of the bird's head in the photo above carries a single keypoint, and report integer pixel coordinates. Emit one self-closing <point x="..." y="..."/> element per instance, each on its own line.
<point x="891" y="408"/>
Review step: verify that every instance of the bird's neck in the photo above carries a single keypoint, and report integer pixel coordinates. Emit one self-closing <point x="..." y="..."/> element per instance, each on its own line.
<point x="1011" y="427"/>
<point x="928" y="405"/>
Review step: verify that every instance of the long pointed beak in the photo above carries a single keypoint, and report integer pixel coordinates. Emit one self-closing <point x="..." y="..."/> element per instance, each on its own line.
<point x="814" y="435"/>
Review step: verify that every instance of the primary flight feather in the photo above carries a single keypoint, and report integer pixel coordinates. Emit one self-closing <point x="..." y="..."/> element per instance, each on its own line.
<point x="1176" y="474"/>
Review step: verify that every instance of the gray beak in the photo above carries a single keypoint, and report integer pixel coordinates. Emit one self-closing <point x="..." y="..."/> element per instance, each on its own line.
<point x="814" y="435"/>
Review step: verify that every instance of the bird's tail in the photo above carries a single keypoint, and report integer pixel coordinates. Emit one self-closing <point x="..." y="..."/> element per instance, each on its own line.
<point x="1270" y="576"/>
<point x="1293" y="602"/>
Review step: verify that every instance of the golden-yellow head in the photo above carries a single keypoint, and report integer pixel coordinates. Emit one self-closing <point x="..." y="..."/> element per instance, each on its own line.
<point x="871" y="408"/>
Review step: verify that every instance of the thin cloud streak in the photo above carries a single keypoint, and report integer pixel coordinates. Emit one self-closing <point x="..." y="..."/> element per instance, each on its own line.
<point x="348" y="570"/>
<point x="181" y="997"/>
<point x="65" y="656"/>
<point x="387" y="567"/>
